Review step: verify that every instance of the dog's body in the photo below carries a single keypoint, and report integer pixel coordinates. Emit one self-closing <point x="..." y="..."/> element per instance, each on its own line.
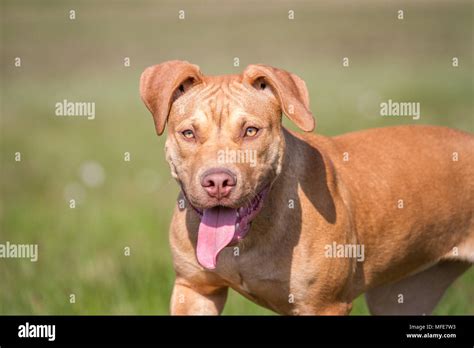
<point x="404" y="194"/>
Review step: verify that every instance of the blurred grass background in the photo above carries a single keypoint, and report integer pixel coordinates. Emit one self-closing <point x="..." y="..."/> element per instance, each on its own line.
<point x="81" y="250"/>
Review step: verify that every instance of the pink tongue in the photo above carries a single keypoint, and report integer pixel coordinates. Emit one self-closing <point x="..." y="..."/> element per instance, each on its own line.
<point x="216" y="231"/>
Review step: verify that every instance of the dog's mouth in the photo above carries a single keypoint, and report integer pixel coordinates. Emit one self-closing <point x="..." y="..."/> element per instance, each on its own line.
<point x="223" y="226"/>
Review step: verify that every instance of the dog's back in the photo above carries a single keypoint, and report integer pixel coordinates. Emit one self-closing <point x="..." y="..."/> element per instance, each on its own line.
<point x="407" y="186"/>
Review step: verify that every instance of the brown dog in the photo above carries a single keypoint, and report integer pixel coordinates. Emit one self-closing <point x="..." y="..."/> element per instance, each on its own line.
<point x="302" y="223"/>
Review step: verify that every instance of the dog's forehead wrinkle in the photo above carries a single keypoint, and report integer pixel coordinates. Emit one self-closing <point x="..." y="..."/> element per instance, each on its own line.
<point x="237" y="93"/>
<point x="220" y="105"/>
<point x="215" y="99"/>
<point x="207" y="90"/>
<point x="216" y="107"/>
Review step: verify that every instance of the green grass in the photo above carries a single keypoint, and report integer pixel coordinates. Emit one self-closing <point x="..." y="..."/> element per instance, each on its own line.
<point x="82" y="249"/>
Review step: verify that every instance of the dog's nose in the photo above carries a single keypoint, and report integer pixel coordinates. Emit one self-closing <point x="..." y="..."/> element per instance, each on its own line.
<point x="218" y="182"/>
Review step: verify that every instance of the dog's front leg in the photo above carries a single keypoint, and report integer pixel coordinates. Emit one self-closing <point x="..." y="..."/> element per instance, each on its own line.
<point x="190" y="299"/>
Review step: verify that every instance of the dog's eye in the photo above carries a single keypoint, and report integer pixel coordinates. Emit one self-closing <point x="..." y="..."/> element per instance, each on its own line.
<point x="188" y="134"/>
<point x="251" y="132"/>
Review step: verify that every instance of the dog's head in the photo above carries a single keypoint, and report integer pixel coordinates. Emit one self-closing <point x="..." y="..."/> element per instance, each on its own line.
<point x="225" y="144"/>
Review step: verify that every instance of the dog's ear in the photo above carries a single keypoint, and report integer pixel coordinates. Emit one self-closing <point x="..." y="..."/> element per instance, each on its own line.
<point x="290" y="89"/>
<point x="162" y="84"/>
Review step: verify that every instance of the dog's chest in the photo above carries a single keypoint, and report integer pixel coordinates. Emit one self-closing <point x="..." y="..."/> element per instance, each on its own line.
<point x="257" y="279"/>
<point x="270" y="293"/>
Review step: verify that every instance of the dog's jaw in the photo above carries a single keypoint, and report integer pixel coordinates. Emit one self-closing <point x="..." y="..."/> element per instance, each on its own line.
<point x="246" y="214"/>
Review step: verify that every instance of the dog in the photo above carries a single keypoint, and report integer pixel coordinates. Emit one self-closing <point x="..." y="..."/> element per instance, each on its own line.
<point x="315" y="221"/>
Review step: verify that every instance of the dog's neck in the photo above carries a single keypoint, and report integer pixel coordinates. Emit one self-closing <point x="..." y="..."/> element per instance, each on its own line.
<point x="284" y="198"/>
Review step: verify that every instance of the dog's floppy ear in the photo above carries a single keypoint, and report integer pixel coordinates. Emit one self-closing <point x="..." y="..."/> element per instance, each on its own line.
<point x="290" y="89"/>
<point x="162" y="84"/>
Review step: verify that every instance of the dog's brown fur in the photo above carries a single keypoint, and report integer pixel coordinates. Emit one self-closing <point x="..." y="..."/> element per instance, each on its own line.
<point x="397" y="191"/>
